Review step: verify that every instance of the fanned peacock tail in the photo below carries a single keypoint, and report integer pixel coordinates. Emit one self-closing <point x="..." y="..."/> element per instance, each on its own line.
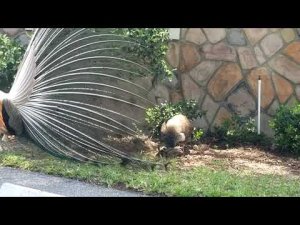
<point x="75" y="91"/>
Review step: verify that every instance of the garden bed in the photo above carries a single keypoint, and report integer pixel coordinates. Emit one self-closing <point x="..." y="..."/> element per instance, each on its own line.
<point x="204" y="171"/>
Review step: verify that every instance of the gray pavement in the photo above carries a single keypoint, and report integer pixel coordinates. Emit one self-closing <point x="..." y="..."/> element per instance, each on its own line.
<point x="19" y="183"/>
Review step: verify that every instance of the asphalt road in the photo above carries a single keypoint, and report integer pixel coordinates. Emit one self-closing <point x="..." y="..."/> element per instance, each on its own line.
<point x="12" y="182"/>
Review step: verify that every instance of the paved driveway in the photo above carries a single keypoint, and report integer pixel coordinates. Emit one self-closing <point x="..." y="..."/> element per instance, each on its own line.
<point x="15" y="182"/>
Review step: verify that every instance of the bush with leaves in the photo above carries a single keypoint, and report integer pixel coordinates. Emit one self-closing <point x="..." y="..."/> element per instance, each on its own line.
<point x="159" y="114"/>
<point x="240" y="130"/>
<point x="11" y="53"/>
<point x="197" y="134"/>
<point x="152" y="48"/>
<point x="286" y="126"/>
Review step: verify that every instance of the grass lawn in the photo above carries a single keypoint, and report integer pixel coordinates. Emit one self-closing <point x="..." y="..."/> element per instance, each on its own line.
<point x="196" y="181"/>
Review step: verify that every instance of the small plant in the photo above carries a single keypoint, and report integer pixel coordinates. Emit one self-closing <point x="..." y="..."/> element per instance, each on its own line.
<point x="197" y="134"/>
<point x="240" y="130"/>
<point x="159" y="114"/>
<point x="11" y="53"/>
<point x="286" y="125"/>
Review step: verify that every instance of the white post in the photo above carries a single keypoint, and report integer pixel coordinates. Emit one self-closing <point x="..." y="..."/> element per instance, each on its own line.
<point x="174" y="33"/>
<point x="259" y="98"/>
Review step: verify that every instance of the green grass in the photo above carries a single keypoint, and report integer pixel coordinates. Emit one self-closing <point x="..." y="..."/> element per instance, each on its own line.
<point x="199" y="181"/>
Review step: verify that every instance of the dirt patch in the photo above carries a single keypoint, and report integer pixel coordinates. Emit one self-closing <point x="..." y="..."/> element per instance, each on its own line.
<point x="132" y="144"/>
<point x="241" y="160"/>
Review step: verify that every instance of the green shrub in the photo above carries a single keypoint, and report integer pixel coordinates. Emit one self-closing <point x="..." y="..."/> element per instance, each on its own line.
<point x="159" y="114"/>
<point x="240" y="130"/>
<point x="11" y="53"/>
<point x="197" y="134"/>
<point x="152" y="48"/>
<point x="286" y="126"/>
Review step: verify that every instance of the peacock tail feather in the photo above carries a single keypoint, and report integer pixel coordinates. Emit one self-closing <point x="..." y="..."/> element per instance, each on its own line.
<point x="75" y="91"/>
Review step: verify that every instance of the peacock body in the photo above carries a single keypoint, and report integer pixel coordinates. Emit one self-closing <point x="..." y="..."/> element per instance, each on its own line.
<point x="75" y="91"/>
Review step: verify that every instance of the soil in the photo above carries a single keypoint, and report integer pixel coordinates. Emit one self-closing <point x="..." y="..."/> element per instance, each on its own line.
<point x="241" y="160"/>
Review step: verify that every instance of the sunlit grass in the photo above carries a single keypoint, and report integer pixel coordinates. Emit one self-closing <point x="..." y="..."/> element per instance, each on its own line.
<point x="198" y="181"/>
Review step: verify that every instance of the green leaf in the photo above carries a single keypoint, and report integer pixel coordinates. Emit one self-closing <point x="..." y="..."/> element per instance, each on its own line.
<point x="11" y="53"/>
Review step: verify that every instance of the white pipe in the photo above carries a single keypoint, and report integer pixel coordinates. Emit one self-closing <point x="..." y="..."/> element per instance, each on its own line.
<point x="259" y="100"/>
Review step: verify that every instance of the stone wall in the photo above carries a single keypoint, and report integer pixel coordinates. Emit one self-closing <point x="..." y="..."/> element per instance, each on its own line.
<point x="220" y="67"/>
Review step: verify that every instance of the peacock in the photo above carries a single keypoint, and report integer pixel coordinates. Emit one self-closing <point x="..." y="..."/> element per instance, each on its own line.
<point x="75" y="92"/>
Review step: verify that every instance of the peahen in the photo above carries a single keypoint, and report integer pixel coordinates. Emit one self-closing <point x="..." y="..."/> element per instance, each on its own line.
<point x="176" y="129"/>
<point x="75" y="92"/>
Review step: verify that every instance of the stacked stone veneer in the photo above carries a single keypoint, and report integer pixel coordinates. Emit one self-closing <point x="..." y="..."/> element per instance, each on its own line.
<point x="220" y="67"/>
